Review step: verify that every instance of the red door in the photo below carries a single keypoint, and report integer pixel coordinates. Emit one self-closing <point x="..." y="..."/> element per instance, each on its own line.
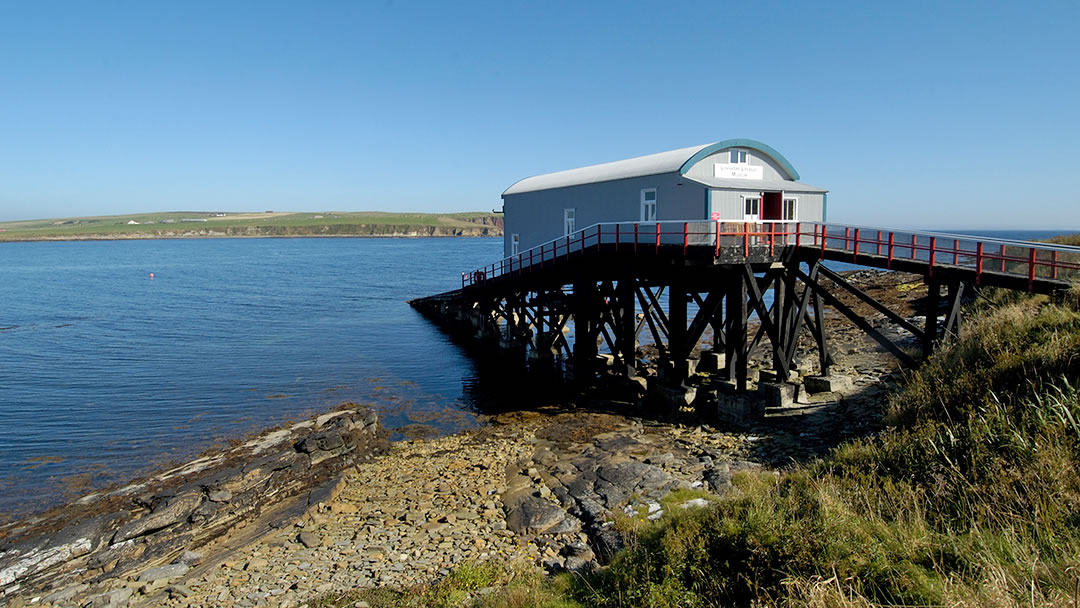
<point x="772" y="206"/>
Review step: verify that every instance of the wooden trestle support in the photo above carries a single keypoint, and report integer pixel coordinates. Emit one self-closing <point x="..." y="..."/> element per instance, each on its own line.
<point x="609" y="306"/>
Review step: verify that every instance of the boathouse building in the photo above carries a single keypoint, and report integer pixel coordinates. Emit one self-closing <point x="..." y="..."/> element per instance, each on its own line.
<point x="735" y="180"/>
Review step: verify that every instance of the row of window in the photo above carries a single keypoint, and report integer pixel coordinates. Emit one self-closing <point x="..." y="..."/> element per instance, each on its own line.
<point x="752" y="209"/>
<point x="751" y="212"/>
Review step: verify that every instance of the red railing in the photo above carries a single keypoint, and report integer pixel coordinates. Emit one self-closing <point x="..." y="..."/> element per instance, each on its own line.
<point x="1014" y="258"/>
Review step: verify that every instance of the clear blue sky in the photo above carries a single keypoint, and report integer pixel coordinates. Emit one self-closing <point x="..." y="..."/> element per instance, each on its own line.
<point x="942" y="114"/>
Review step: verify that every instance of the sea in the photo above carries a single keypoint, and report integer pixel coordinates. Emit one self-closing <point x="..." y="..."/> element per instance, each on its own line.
<point x="118" y="357"/>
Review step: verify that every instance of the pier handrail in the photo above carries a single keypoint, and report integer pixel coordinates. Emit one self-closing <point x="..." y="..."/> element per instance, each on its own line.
<point x="1017" y="258"/>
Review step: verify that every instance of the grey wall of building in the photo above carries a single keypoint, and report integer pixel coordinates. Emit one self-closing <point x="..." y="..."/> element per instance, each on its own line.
<point x="729" y="204"/>
<point x="537" y="217"/>
<point x="704" y="167"/>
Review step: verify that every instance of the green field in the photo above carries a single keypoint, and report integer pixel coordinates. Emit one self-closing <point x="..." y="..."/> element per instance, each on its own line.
<point x="195" y="224"/>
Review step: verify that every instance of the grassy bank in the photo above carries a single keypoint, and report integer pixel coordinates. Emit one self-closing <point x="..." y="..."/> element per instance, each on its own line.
<point x="971" y="497"/>
<point x="208" y="224"/>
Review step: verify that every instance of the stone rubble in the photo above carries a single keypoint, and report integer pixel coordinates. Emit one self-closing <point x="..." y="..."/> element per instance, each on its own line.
<point x="544" y="487"/>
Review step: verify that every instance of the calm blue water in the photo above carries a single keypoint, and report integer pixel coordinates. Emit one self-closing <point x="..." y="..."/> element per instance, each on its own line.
<point x="105" y="372"/>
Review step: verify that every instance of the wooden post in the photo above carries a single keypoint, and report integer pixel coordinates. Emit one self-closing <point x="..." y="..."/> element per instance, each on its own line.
<point x="822" y="336"/>
<point x="778" y="320"/>
<point x="735" y="338"/>
<point x="677" y="346"/>
<point x="933" y="303"/>
<point x="585" y="325"/>
<point x="626" y="332"/>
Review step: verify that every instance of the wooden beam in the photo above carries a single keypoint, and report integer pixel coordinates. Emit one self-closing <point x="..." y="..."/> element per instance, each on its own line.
<point x="860" y="322"/>
<point x="878" y="306"/>
<point x="652" y="326"/>
<point x="953" y="320"/>
<point x="764" y="316"/>
<point x="933" y="305"/>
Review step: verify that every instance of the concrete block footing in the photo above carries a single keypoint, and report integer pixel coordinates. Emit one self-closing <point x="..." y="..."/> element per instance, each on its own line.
<point x="711" y="362"/>
<point x="826" y="384"/>
<point x="670" y="397"/>
<point x="770" y="375"/>
<point x="738" y="408"/>
<point x="776" y="394"/>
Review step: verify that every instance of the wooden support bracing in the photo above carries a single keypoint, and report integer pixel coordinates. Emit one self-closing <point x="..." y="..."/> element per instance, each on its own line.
<point x="603" y="311"/>
<point x="678" y="344"/>
<point x="852" y="316"/>
<point x="933" y="308"/>
<point x="953" y="320"/>
<point x="878" y="306"/>
<point x="586" y="328"/>
<point x="735" y="330"/>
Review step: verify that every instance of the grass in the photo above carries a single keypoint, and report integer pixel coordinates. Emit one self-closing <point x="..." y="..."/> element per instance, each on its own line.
<point x="970" y="497"/>
<point x="483" y="585"/>
<point x="163" y="225"/>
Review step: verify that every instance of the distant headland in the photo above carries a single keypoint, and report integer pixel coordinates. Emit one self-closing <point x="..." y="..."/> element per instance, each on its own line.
<point x="210" y="224"/>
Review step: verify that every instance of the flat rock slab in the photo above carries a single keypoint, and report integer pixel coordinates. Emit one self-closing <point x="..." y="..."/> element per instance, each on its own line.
<point x="168" y="513"/>
<point x="168" y="572"/>
<point x="827" y="384"/>
<point x="534" y="515"/>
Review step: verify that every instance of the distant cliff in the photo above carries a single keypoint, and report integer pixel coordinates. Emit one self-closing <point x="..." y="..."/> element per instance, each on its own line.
<point x="268" y="224"/>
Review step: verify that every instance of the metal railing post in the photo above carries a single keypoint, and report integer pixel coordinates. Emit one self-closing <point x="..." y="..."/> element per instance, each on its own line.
<point x="824" y="239"/>
<point x="855" y="252"/>
<point x="1003" y="258"/>
<point x="933" y="246"/>
<point x="685" y="237"/>
<point x="717" y="254"/>
<point x="657" y="237"/>
<point x="879" y="242"/>
<point x="1031" y="269"/>
<point x="956" y="252"/>
<point x="978" y="262"/>
<point x="891" y="242"/>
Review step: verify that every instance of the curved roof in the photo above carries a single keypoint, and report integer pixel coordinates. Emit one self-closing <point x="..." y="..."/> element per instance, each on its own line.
<point x="663" y="162"/>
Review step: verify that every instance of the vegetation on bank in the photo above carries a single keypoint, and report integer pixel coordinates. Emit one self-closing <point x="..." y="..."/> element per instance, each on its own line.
<point x="971" y="497"/>
<point x="1065" y="239"/>
<point x="268" y="223"/>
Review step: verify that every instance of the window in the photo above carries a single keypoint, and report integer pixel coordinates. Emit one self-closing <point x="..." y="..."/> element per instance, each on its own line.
<point x="752" y="208"/>
<point x="791" y="209"/>
<point x="738" y="157"/>
<point x="648" y="205"/>
<point x="515" y="244"/>
<point x="568" y="221"/>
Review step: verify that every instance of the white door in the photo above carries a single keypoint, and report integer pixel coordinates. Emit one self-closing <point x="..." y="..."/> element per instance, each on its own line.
<point x="752" y="208"/>
<point x="648" y="205"/>
<point x="515" y="244"/>
<point x="568" y="222"/>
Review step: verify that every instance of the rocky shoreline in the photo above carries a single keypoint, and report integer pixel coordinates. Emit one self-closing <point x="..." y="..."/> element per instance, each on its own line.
<point x="327" y="505"/>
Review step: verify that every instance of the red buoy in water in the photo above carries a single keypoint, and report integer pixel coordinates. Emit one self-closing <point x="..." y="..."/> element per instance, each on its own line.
<point x="151" y="275"/>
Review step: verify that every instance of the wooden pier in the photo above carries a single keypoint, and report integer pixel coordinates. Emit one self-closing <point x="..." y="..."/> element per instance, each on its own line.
<point x="585" y="299"/>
